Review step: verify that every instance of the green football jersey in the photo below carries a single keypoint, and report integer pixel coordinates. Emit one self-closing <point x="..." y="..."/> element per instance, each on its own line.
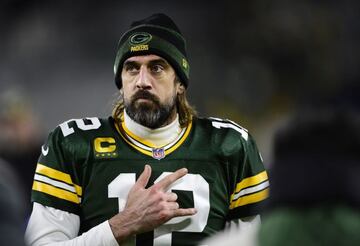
<point x="88" y="166"/>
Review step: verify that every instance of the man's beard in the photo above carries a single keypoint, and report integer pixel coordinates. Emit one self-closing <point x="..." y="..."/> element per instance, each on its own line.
<point x="150" y="114"/>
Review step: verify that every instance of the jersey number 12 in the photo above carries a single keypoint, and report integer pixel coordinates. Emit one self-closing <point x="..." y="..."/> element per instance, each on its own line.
<point x="121" y="185"/>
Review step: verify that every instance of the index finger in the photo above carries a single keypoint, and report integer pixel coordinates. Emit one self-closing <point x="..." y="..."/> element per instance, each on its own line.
<point x="144" y="177"/>
<point x="171" y="178"/>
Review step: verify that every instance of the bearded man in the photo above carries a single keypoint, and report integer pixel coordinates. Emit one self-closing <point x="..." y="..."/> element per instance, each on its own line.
<point x="153" y="173"/>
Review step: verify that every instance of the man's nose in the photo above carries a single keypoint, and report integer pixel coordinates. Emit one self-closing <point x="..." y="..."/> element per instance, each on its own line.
<point x="144" y="79"/>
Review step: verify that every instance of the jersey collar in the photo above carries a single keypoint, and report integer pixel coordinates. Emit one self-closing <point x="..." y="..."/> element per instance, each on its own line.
<point x="147" y="147"/>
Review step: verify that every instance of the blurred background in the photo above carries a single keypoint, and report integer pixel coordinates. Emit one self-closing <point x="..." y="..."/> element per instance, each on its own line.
<point x="255" y="62"/>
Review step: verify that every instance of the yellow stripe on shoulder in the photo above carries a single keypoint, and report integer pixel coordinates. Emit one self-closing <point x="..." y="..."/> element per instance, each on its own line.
<point x="253" y="198"/>
<point x="53" y="173"/>
<point x="251" y="181"/>
<point x="78" y="190"/>
<point x="58" y="175"/>
<point x="53" y="191"/>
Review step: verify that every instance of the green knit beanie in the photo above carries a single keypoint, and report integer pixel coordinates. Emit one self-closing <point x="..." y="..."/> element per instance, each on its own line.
<point x="158" y="35"/>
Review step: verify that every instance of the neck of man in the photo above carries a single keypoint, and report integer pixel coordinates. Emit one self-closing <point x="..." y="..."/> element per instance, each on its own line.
<point x="159" y="136"/>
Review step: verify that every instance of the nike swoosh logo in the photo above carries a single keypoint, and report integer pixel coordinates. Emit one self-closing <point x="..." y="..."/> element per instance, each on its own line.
<point x="44" y="151"/>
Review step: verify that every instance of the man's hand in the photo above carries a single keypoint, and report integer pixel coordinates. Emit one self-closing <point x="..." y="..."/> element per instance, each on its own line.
<point x="147" y="209"/>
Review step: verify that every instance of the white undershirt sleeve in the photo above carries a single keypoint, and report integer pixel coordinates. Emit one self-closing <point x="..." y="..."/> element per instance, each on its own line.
<point x="237" y="232"/>
<point x="53" y="227"/>
<point x="243" y="224"/>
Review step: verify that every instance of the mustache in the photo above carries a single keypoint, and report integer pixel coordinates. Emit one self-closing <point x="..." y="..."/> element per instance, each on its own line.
<point x="144" y="95"/>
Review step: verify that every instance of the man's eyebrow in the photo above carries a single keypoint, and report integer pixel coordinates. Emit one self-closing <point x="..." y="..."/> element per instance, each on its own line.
<point x="159" y="61"/>
<point x="130" y="63"/>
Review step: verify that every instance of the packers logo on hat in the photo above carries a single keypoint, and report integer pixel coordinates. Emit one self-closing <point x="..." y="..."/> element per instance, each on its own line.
<point x="140" y="38"/>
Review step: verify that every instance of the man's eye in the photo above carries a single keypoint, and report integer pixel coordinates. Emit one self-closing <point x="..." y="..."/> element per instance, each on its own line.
<point x="157" y="68"/>
<point x="130" y="68"/>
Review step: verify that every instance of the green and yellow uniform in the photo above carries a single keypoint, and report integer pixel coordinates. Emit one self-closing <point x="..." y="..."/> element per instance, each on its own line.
<point x="88" y="166"/>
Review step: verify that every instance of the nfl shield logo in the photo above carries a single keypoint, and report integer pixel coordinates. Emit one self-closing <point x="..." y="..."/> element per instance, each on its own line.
<point x="158" y="153"/>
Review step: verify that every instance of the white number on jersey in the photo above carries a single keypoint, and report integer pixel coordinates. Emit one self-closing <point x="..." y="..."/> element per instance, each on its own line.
<point x="67" y="130"/>
<point x="122" y="184"/>
<point x="219" y="123"/>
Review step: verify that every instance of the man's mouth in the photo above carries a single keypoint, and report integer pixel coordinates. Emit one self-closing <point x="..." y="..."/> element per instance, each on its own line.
<point x="144" y="100"/>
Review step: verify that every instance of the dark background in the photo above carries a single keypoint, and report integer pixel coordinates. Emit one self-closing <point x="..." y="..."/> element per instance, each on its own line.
<point x="255" y="62"/>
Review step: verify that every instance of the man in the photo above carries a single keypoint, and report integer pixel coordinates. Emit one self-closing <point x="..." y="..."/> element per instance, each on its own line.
<point x="153" y="173"/>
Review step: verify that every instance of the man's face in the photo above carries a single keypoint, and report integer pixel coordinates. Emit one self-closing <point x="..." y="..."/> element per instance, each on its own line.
<point x="150" y="90"/>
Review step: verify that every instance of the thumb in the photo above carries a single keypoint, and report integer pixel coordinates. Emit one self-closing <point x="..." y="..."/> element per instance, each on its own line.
<point x="144" y="177"/>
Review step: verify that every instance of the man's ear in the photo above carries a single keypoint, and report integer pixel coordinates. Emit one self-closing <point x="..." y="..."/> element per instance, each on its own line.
<point x="180" y="88"/>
